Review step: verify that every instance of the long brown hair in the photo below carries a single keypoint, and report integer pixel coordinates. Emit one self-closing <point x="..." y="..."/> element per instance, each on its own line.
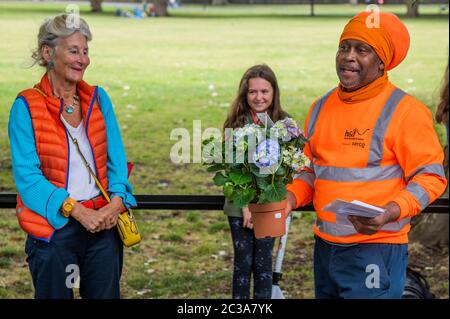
<point x="442" y="109"/>
<point x="240" y="109"/>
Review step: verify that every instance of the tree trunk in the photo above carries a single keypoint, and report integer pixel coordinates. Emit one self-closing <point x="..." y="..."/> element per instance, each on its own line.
<point x="222" y="2"/>
<point x="96" y="5"/>
<point x="161" y="8"/>
<point x="431" y="231"/>
<point x="412" y="7"/>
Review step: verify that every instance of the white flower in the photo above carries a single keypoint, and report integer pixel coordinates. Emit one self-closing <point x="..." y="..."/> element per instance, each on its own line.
<point x="250" y="130"/>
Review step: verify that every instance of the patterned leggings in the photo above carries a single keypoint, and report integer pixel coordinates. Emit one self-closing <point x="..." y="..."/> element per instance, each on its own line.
<point x="250" y="255"/>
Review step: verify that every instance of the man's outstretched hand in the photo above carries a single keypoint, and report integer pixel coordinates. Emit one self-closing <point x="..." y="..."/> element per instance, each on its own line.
<point x="369" y="226"/>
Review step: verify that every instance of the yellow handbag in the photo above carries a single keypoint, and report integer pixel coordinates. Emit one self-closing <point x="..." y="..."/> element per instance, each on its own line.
<point x="127" y="227"/>
<point x="126" y="223"/>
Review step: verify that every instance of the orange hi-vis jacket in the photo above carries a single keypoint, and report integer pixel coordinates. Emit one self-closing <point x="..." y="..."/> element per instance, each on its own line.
<point x="52" y="144"/>
<point x="379" y="150"/>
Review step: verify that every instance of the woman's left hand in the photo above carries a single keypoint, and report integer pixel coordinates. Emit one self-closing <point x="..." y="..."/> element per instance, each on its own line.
<point x="111" y="211"/>
<point x="247" y="216"/>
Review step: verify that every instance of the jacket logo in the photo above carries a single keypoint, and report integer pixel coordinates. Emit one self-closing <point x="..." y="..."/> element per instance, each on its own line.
<point x="355" y="138"/>
<point x="352" y="133"/>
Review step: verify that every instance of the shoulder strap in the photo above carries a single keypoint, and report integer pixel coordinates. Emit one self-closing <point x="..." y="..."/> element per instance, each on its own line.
<point x="75" y="142"/>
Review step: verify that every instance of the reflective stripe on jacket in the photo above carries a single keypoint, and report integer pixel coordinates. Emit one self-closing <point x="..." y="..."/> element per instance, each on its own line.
<point x="380" y="150"/>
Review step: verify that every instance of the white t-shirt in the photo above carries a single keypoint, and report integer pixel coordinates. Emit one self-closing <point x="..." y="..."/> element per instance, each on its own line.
<point x="81" y="185"/>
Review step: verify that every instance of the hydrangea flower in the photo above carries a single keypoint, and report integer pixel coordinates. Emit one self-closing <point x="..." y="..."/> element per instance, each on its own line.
<point x="248" y="130"/>
<point x="267" y="153"/>
<point x="279" y="131"/>
<point x="275" y="151"/>
<point x="285" y="129"/>
<point x="300" y="161"/>
<point x="292" y="127"/>
<point x="295" y="158"/>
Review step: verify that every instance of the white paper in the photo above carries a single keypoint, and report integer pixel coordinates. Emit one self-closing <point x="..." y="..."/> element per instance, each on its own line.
<point x="343" y="209"/>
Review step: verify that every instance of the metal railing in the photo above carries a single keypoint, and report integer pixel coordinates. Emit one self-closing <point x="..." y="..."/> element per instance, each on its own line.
<point x="205" y="202"/>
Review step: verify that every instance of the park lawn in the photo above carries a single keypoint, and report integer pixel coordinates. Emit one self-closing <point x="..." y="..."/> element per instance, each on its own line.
<point x="162" y="74"/>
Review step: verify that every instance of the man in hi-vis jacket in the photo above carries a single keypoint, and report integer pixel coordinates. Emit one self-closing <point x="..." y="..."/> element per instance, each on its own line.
<point x="372" y="142"/>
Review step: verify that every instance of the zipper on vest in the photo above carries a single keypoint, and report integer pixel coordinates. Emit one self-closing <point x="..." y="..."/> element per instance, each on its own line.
<point x="88" y="116"/>
<point x="68" y="146"/>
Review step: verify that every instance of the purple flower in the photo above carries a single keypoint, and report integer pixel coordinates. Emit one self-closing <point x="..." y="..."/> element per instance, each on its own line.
<point x="292" y="127"/>
<point x="294" y="131"/>
<point x="285" y="130"/>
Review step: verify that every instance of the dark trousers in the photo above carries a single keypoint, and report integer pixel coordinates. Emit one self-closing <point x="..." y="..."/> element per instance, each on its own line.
<point x="251" y="255"/>
<point x="362" y="271"/>
<point x="97" y="258"/>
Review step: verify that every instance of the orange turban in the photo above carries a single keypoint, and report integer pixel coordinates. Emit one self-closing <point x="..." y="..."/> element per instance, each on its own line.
<point x="390" y="40"/>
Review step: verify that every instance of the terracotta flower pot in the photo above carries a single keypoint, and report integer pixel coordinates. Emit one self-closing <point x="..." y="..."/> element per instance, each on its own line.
<point x="269" y="220"/>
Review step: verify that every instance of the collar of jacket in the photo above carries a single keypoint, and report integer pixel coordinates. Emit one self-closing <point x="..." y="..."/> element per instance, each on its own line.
<point x="85" y="91"/>
<point x="364" y="93"/>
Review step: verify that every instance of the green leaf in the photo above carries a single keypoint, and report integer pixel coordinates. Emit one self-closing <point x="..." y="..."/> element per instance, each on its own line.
<point x="220" y="179"/>
<point x="273" y="193"/>
<point x="228" y="190"/>
<point x="240" y="178"/>
<point x="280" y="171"/>
<point x="216" y="167"/>
<point x="263" y="199"/>
<point x="262" y="182"/>
<point x="255" y="171"/>
<point x="244" y="197"/>
<point x="236" y="165"/>
<point x="208" y="140"/>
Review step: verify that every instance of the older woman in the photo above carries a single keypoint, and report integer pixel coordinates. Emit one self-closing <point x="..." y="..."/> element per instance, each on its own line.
<point x="70" y="226"/>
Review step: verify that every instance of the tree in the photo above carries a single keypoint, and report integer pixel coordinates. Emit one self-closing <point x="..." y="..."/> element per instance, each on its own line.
<point x="161" y="8"/>
<point x="412" y="7"/>
<point x="222" y="2"/>
<point x="431" y="230"/>
<point x="96" y="5"/>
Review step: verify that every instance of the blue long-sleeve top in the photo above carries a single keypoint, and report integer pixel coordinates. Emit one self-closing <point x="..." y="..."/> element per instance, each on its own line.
<point x="37" y="193"/>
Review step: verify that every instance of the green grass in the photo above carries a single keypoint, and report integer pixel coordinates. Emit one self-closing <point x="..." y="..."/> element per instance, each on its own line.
<point x="159" y="74"/>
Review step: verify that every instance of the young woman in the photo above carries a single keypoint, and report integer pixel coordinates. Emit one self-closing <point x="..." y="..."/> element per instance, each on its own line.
<point x="258" y="93"/>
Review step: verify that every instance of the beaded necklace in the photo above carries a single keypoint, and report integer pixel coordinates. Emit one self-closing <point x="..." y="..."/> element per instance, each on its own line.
<point x="69" y="108"/>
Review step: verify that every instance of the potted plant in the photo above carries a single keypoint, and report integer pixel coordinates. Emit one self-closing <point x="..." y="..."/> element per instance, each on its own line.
<point x="253" y="165"/>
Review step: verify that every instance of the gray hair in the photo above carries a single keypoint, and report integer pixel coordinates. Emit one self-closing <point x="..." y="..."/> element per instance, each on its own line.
<point x="55" y="28"/>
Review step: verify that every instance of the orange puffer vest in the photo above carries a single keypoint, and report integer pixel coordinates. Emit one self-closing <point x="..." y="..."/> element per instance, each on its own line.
<point x="52" y="144"/>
